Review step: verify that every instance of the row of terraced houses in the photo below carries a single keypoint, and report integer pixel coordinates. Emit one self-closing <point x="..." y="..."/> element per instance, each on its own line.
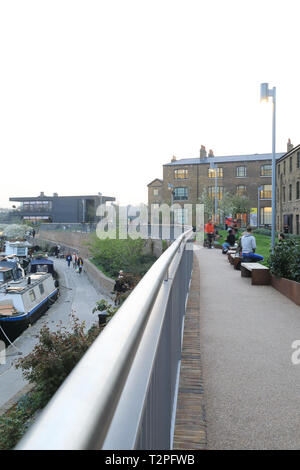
<point x="246" y="175"/>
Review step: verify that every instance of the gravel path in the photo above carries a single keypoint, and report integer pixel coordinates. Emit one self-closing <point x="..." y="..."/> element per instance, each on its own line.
<point x="252" y="389"/>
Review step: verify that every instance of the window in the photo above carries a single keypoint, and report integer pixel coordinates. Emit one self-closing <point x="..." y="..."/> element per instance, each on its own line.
<point x="297" y="190"/>
<point x="32" y="295"/>
<point x="291" y="164"/>
<point x="181" y="174"/>
<point x="290" y="192"/>
<point x="297" y="224"/>
<point x="284" y="167"/>
<point x="266" y="192"/>
<point x="41" y="287"/>
<point x="278" y="169"/>
<point x="211" y="192"/>
<point x="181" y="194"/>
<point x="155" y="192"/>
<point x="266" y="170"/>
<point x="36" y="206"/>
<point x="241" y="190"/>
<point x="241" y="172"/>
<point x="298" y="159"/>
<point x="283" y="194"/>
<point x="212" y="172"/>
<point x="266" y="215"/>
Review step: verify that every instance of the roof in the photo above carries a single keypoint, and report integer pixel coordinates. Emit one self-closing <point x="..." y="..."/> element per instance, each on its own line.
<point x="41" y="261"/>
<point x="156" y="179"/>
<point x="224" y="159"/>
<point x="294" y="149"/>
<point x="51" y="198"/>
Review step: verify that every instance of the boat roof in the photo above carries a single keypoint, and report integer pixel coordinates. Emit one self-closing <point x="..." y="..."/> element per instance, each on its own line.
<point x="4" y="269"/>
<point x="21" y="286"/>
<point x="41" y="261"/>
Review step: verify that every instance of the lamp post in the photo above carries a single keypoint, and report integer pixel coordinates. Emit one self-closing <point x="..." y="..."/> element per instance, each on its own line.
<point x="265" y="93"/>
<point x="214" y="167"/>
<point x="260" y="188"/>
<point x="171" y="189"/>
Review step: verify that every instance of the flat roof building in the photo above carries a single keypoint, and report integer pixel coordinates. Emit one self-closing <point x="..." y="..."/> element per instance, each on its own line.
<point x="60" y="209"/>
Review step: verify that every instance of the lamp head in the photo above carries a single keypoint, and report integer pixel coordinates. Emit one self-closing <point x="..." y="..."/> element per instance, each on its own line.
<point x="264" y="92"/>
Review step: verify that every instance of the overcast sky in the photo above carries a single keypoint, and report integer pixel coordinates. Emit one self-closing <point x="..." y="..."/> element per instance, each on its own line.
<point x="97" y="95"/>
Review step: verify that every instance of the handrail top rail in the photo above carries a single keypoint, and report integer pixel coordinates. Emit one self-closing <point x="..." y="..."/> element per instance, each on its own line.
<point x="86" y="401"/>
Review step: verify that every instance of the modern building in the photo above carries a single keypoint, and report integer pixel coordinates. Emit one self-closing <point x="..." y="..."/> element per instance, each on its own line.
<point x="60" y="209"/>
<point x="288" y="191"/>
<point x="248" y="175"/>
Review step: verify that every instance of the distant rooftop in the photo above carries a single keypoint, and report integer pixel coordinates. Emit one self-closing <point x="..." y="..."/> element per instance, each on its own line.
<point x="55" y="196"/>
<point x="223" y="159"/>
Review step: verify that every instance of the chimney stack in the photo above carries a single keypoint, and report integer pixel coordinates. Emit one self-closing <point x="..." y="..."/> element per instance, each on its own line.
<point x="202" y="152"/>
<point x="42" y="194"/>
<point x="289" y="145"/>
<point x="173" y="159"/>
<point x="211" y="153"/>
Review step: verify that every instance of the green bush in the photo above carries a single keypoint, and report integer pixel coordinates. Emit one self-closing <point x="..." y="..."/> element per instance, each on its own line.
<point x="54" y="357"/>
<point x="112" y="255"/>
<point x="285" y="261"/>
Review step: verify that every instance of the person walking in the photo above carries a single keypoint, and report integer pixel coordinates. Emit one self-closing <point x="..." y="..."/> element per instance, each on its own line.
<point x="69" y="259"/>
<point x="74" y="260"/>
<point x="248" y="243"/>
<point x="210" y="232"/>
<point x="79" y="264"/>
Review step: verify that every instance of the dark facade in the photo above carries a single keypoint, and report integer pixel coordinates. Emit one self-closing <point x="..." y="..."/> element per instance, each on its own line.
<point x="60" y="209"/>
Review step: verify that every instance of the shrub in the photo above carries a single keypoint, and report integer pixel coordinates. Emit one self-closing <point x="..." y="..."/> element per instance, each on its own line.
<point x="115" y="254"/>
<point x="54" y="357"/>
<point x="285" y="261"/>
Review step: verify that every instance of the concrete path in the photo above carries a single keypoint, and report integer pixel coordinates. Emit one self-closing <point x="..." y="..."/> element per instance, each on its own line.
<point x="77" y="297"/>
<point x="251" y="387"/>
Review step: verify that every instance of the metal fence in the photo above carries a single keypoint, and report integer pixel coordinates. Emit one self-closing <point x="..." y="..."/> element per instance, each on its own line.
<point x="122" y="394"/>
<point x="165" y="232"/>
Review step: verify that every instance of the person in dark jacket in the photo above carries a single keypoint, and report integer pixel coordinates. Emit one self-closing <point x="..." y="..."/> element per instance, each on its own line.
<point x="230" y="241"/>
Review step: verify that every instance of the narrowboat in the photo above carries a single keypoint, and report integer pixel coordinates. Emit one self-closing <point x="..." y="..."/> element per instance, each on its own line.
<point x="23" y="301"/>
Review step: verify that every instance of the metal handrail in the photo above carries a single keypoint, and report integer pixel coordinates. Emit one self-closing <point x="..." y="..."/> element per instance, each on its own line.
<point x="80" y="413"/>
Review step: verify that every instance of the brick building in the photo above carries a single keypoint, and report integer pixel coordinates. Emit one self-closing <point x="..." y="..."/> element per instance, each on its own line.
<point x="236" y="174"/>
<point x="288" y="191"/>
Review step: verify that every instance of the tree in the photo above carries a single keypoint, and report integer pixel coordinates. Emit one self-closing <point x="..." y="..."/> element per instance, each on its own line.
<point x="208" y="202"/>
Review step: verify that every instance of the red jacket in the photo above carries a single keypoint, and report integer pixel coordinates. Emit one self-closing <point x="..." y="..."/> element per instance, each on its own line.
<point x="209" y="228"/>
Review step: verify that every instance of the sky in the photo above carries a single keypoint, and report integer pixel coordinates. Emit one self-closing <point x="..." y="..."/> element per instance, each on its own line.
<point x="95" y="96"/>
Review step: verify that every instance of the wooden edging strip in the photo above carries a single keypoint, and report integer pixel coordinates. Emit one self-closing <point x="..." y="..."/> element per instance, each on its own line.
<point x="190" y="426"/>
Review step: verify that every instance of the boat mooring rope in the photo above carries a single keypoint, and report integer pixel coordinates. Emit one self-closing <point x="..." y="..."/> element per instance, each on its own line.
<point x="12" y="344"/>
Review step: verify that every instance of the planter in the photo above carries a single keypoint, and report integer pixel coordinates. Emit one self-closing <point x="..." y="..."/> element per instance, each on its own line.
<point x="291" y="289"/>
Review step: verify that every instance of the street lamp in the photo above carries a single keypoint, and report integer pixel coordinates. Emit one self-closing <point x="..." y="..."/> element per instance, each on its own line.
<point x="214" y="168"/>
<point x="171" y="189"/>
<point x="265" y="93"/>
<point x="260" y="188"/>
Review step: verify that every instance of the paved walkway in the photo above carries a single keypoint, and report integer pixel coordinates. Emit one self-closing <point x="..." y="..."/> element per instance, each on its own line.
<point x="251" y="387"/>
<point x="78" y="297"/>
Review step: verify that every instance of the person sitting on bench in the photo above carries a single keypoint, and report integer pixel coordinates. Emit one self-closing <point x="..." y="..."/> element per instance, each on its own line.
<point x="249" y="246"/>
<point x="230" y="241"/>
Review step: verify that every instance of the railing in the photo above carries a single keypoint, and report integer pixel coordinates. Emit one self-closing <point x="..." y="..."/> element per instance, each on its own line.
<point x="161" y="231"/>
<point x="122" y="394"/>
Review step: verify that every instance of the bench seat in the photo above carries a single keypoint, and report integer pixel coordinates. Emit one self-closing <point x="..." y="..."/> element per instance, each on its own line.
<point x="260" y="274"/>
<point x="235" y="260"/>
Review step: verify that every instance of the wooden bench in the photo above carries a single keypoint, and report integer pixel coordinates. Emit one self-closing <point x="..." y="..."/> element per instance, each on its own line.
<point x="234" y="259"/>
<point x="259" y="274"/>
